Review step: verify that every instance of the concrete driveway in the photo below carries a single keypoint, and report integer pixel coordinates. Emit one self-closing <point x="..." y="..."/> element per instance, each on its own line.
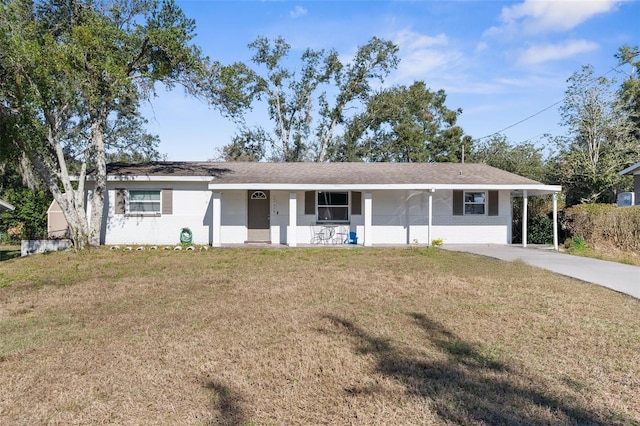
<point x="616" y="276"/>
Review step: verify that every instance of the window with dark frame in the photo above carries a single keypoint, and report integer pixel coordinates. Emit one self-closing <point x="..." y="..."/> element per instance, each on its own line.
<point x="333" y="206"/>
<point x="143" y="201"/>
<point x="475" y="203"/>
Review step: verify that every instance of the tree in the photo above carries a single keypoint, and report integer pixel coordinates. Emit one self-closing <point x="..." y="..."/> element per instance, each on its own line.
<point x="599" y="142"/>
<point x="629" y="92"/>
<point x="522" y="159"/>
<point x="290" y="95"/>
<point x="29" y="218"/>
<point x="126" y="140"/>
<point x="404" y="124"/>
<point x="246" y="146"/>
<point x="525" y="160"/>
<point x="68" y="67"/>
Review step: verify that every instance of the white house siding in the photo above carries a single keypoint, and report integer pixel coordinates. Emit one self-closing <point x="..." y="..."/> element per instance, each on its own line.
<point x="233" y="220"/>
<point x="399" y="217"/>
<point x="192" y="209"/>
<point x="279" y="214"/>
<point x="470" y="229"/>
<point x="304" y="223"/>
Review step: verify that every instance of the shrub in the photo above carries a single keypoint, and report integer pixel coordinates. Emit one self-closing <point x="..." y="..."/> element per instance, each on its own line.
<point x="29" y="219"/>
<point x="576" y="245"/>
<point x="540" y="230"/>
<point x="604" y="224"/>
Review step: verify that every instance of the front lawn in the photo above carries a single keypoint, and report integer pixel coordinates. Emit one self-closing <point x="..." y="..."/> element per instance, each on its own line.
<point x="311" y="336"/>
<point x="9" y="252"/>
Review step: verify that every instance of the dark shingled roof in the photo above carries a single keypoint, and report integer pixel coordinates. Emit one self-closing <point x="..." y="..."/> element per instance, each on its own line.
<point x="326" y="173"/>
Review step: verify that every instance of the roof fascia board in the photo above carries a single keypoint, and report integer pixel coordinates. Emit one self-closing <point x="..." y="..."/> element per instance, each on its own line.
<point x="144" y="178"/>
<point x="373" y="187"/>
<point x="630" y="170"/>
<point x="6" y="205"/>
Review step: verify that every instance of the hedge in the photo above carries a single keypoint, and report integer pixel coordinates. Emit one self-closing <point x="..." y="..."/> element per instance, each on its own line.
<point x="604" y="224"/>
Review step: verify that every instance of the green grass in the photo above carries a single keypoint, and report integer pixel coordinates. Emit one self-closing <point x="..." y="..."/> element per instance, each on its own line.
<point x="9" y="252"/>
<point x="311" y="336"/>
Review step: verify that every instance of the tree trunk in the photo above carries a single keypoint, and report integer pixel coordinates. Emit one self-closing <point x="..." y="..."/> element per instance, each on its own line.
<point x="100" y="176"/>
<point x="71" y="201"/>
<point x="76" y="218"/>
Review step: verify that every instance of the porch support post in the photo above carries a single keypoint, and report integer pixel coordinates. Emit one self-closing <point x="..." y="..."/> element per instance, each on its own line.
<point x="555" y="221"/>
<point x="368" y="229"/>
<point x="292" y="229"/>
<point x="525" y="202"/>
<point x="217" y="204"/>
<point x="429" y="223"/>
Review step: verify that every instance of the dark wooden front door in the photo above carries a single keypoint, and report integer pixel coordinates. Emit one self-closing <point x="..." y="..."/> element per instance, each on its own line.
<point x="258" y="217"/>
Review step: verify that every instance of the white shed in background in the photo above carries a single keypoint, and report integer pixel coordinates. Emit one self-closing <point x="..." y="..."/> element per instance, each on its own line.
<point x="57" y="226"/>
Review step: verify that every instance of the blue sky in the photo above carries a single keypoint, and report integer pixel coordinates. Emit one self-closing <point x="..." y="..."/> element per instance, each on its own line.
<point x="500" y="61"/>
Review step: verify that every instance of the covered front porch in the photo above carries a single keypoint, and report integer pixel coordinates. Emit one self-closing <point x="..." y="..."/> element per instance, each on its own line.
<point x="372" y="216"/>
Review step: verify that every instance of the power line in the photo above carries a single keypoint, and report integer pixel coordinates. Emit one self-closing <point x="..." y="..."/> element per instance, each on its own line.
<point x="522" y="121"/>
<point x="544" y="109"/>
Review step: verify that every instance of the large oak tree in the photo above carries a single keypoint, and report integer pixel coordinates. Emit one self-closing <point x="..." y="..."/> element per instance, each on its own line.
<point x="306" y="105"/>
<point x="68" y="68"/>
<point x="403" y="124"/>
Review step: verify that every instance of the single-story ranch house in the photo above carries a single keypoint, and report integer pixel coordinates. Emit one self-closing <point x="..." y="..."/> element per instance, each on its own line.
<point x="311" y="203"/>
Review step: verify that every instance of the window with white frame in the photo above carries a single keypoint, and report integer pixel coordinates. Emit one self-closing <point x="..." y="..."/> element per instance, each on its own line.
<point x="475" y="203"/>
<point x="143" y="201"/>
<point x="333" y="206"/>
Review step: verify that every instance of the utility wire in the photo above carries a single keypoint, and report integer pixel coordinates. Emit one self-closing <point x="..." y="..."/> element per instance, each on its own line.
<point x="544" y="109"/>
<point x="522" y="121"/>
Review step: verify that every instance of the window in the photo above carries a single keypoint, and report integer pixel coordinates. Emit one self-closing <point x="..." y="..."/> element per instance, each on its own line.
<point x="474" y="203"/>
<point x="144" y="201"/>
<point x="333" y="206"/>
<point x="258" y="195"/>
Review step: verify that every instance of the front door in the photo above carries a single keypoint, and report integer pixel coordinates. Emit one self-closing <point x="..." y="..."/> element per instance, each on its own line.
<point x="258" y="229"/>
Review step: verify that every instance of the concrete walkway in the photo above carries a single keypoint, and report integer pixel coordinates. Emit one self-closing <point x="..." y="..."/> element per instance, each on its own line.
<point x="616" y="276"/>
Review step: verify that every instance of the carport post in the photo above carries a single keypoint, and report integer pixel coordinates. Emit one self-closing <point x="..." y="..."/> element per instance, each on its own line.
<point x="525" y="200"/>
<point x="217" y="242"/>
<point x="555" y="221"/>
<point x="431" y="191"/>
<point x="293" y="220"/>
<point x="368" y="232"/>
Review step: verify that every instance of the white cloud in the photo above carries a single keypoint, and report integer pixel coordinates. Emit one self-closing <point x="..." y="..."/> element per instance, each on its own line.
<point x="549" y="52"/>
<point x="297" y="12"/>
<point x="537" y="16"/>
<point x="482" y="46"/>
<point x="421" y="54"/>
<point x="419" y="64"/>
<point x="411" y="40"/>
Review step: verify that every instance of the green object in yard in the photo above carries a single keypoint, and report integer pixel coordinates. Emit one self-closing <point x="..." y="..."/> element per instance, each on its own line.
<point x="186" y="236"/>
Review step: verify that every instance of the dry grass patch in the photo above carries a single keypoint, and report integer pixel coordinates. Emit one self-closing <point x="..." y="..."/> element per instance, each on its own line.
<point x="611" y="253"/>
<point x="311" y="336"/>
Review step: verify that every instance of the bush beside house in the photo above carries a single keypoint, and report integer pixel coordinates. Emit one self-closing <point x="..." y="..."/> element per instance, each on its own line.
<point x="604" y="225"/>
<point x="29" y="218"/>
